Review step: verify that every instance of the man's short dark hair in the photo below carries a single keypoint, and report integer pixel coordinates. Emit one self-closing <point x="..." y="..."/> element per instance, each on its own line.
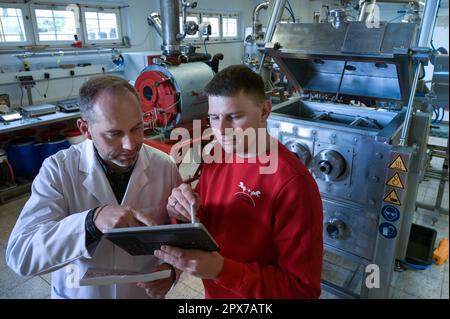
<point x="90" y="90"/>
<point x="235" y="79"/>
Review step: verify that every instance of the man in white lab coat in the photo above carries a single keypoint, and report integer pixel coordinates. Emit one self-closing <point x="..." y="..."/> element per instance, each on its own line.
<point x="110" y="180"/>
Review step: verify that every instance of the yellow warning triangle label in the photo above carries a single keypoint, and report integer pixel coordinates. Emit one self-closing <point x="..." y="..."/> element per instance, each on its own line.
<point x="392" y="198"/>
<point x="398" y="164"/>
<point x="395" y="181"/>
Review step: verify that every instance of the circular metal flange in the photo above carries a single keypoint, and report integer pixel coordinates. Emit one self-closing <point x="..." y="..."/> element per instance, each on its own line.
<point x="328" y="165"/>
<point x="300" y="150"/>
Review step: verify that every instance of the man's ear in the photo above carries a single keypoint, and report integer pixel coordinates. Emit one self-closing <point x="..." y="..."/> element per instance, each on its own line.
<point x="84" y="128"/>
<point x="266" y="109"/>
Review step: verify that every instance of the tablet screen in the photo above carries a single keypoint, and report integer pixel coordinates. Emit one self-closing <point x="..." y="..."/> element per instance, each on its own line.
<point x="144" y="240"/>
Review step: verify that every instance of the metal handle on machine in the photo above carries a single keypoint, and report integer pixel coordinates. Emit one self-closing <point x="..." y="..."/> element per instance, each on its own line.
<point x="405" y="130"/>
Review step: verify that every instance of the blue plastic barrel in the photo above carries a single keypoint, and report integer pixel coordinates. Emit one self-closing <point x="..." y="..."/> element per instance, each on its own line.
<point x="53" y="145"/>
<point x="23" y="157"/>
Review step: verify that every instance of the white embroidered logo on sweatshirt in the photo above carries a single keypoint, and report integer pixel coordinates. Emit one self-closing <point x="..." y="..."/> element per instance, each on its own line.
<point x="247" y="194"/>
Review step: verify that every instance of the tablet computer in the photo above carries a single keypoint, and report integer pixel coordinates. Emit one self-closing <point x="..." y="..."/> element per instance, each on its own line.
<point x="144" y="240"/>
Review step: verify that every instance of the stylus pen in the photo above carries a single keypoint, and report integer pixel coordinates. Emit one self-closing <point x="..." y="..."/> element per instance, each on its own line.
<point x="192" y="214"/>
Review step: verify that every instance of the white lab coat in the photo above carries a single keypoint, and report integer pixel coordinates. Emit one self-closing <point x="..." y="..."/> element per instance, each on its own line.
<point x="49" y="235"/>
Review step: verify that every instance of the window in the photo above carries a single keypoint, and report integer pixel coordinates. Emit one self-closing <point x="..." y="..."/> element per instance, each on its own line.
<point x="189" y="18"/>
<point x="230" y="26"/>
<point x="12" y="27"/>
<point x="101" y="25"/>
<point x="54" y="24"/>
<point x="215" y="25"/>
<point x="59" y="25"/>
<point x="224" y="26"/>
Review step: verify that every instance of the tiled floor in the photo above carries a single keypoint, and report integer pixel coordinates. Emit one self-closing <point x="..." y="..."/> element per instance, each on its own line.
<point x="429" y="283"/>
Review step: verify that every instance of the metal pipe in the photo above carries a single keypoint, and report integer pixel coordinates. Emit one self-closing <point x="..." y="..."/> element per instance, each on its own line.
<point x="170" y="13"/>
<point x="437" y="174"/>
<point x="277" y="13"/>
<point x="154" y="19"/>
<point x="184" y="6"/>
<point x="428" y="22"/>
<point x="63" y="77"/>
<point x="439" y="154"/>
<point x="59" y="52"/>
<point x="275" y="17"/>
<point x="183" y="12"/>
<point x="362" y="9"/>
<point x="405" y="130"/>
<point x="373" y="4"/>
<point x="181" y="36"/>
<point x="29" y="95"/>
<point x="261" y="64"/>
<point x="257" y="26"/>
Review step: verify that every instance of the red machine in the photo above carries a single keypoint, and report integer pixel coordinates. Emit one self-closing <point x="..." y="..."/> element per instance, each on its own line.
<point x="171" y="86"/>
<point x="172" y="97"/>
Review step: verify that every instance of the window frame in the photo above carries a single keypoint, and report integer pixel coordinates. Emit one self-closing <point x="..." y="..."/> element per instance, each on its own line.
<point x="26" y="25"/>
<point x="213" y="15"/>
<point x="221" y="37"/>
<point x="232" y="16"/>
<point x="101" y="9"/>
<point x="32" y="33"/>
<point x="59" y="7"/>
<point x="30" y="23"/>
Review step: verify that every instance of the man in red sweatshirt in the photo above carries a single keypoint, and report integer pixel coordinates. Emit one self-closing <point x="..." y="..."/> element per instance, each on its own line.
<point x="267" y="222"/>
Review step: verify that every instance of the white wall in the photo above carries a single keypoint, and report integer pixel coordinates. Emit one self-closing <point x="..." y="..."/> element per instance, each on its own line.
<point x="233" y="51"/>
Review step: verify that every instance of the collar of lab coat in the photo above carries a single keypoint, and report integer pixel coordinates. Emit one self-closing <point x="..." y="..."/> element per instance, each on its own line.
<point x="97" y="183"/>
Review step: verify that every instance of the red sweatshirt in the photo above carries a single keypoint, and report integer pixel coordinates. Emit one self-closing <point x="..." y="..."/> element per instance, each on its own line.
<point x="268" y="227"/>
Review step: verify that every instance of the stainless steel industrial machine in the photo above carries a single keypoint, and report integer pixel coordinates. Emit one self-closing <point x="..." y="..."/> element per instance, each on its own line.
<point x="357" y="127"/>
